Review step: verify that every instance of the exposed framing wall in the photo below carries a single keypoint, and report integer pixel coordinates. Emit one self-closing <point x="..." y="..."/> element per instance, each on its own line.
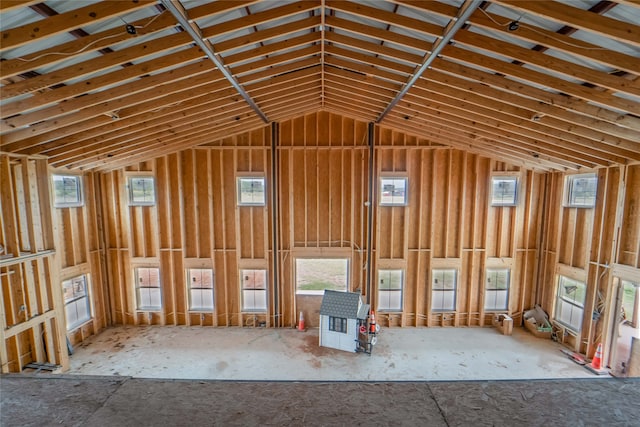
<point x="316" y="168"/>
<point x="321" y="192"/>
<point x="32" y="324"/>
<point x="594" y="245"/>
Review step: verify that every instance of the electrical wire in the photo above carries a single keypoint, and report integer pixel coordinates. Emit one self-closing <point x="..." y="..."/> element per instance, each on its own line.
<point x="90" y="44"/>
<point x="535" y="30"/>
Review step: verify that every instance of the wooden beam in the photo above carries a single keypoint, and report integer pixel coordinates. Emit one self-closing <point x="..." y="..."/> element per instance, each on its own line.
<point x="575" y="17"/>
<point x="92" y="14"/>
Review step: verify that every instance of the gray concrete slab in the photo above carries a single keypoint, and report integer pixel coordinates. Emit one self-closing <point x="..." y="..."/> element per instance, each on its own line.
<point x="286" y="354"/>
<point x="46" y="400"/>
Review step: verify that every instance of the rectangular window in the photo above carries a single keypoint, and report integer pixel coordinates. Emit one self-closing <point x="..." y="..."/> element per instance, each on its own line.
<point x="496" y="296"/>
<point x="76" y="301"/>
<point x="570" y="303"/>
<point x="142" y="190"/>
<point x="67" y="190"/>
<point x="504" y="190"/>
<point x="254" y="290"/>
<point x="443" y="291"/>
<point x="390" y="283"/>
<point x="581" y="190"/>
<point x="148" y="291"/>
<point x="251" y="191"/>
<point x="314" y="275"/>
<point x="200" y="282"/>
<point x="338" y="324"/>
<point x="393" y="191"/>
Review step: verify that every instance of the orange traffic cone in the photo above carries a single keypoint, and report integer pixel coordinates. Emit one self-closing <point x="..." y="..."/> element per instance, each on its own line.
<point x="301" y="323"/>
<point x="372" y="323"/>
<point x="596" y="363"/>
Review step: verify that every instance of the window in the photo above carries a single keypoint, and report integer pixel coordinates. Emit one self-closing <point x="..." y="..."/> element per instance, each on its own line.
<point x="254" y="290"/>
<point x="496" y="296"/>
<point x="504" y="190"/>
<point x="142" y="190"/>
<point x="338" y="324"/>
<point x="390" y="283"/>
<point x="251" y="191"/>
<point x="629" y="291"/>
<point x="148" y="292"/>
<point x="67" y="190"/>
<point x="570" y="303"/>
<point x="443" y="291"/>
<point x="393" y="191"/>
<point x="76" y="301"/>
<point x="581" y="190"/>
<point x="314" y="275"/>
<point x="200" y="282"/>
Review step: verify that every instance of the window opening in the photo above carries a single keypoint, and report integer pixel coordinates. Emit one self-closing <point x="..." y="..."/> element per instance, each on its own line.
<point x="141" y="190"/>
<point x="390" y="284"/>
<point x="76" y="301"/>
<point x="443" y="291"/>
<point x="393" y="191"/>
<point x="200" y="289"/>
<point x="496" y="296"/>
<point x="314" y="275"/>
<point x="570" y="303"/>
<point x="67" y="190"/>
<point x="251" y="191"/>
<point x="254" y="290"/>
<point x="148" y="291"/>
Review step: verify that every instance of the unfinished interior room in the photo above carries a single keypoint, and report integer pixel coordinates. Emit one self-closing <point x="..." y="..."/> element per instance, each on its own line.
<point x="194" y="174"/>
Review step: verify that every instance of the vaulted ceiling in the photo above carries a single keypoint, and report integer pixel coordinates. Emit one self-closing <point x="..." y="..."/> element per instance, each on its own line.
<point x="550" y="85"/>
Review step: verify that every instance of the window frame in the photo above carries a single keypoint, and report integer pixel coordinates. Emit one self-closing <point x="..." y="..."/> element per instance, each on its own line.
<point x="243" y="302"/>
<point x="505" y="177"/>
<point x="573" y="305"/>
<point x="136" y="275"/>
<point x="405" y="199"/>
<point x="75" y="299"/>
<point x="130" y="189"/>
<point x="390" y="291"/>
<point x="78" y="187"/>
<point x="570" y="180"/>
<point x="239" y="192"/>
<point x="488" y="291"/>
<point x="340" y="326"/>
<point x="191" y="289"/>
<point x="454" y="289"/>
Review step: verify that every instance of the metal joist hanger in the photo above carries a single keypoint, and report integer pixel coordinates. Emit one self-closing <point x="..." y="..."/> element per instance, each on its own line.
<point x="179" y="12"/>
<point x="465" y="11"/>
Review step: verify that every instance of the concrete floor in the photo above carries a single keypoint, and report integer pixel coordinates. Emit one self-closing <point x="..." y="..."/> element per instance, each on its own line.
<point x="402" y="354"/>
<point x="390" y="387"/>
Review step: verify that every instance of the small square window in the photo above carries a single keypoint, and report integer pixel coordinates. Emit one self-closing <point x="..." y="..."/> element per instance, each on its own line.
<point x="504" y="190"/>
<point x="393" y="191"/>
<point x="251" y="191"/>
<point x="67" y="190"/>
<point x="142" y="190"/>
<point x="581" y="190"/>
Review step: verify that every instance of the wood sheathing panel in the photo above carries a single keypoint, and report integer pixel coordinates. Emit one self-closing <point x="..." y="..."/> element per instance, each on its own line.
<point x="321" y="194"/>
